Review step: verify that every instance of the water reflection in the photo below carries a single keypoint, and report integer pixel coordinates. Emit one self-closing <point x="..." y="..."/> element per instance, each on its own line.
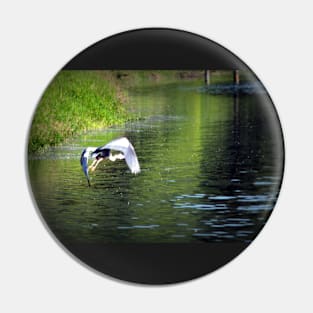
<point x="211" y="171"/>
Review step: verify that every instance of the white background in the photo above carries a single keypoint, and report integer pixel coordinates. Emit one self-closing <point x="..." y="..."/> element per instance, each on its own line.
<point x="274" y="38"/>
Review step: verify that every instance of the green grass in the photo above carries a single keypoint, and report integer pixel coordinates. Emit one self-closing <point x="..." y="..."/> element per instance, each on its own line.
<point x="74" y="102"/>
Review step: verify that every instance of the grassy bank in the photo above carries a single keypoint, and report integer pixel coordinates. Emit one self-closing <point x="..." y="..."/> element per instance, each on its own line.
<point x="74" y="102"/>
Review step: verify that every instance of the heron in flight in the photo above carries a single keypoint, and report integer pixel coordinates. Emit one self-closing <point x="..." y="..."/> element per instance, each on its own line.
<point x="104" y="152"/>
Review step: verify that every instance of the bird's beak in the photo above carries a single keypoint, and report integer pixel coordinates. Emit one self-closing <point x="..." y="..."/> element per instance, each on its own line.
<point x="85" y="168"/>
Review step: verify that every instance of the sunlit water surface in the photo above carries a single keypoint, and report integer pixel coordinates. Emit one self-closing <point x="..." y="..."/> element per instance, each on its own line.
<point x="211" y="171"/>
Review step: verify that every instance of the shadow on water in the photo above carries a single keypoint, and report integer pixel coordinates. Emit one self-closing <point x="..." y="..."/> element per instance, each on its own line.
<point x="211" y="171"/>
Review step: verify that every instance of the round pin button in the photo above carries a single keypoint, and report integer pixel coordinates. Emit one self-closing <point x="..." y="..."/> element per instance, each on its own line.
<point x="155" y="156"/>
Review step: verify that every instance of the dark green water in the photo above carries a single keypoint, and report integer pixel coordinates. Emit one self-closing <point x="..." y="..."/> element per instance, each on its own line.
<point x="211" y="171"/>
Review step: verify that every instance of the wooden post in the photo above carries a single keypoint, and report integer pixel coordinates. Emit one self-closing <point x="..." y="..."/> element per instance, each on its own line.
<point x="207" y="77"/>
<point x="236" y="78"/>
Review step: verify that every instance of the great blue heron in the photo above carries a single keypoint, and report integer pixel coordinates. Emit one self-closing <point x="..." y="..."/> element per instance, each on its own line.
<point x="104" y="152"/>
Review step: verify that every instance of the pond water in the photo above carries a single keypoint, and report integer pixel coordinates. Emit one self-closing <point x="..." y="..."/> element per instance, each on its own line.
<point x="211" y="171"/>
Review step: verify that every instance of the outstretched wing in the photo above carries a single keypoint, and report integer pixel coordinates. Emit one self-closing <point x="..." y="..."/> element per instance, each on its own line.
<point x="123" y="145"/>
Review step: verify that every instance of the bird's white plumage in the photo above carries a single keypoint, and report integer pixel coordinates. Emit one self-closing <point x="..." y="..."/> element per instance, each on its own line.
<point x="123" y="145"/>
